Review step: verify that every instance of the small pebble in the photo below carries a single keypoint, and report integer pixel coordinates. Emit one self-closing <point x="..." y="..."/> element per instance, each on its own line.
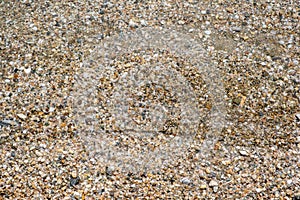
<point x="22" y="116"/>
<point x="186" y="180"/>
<point x="27" y="70"/>
<point x="213" y="183"/>
<point x="298" y="116"/>
<point x="132" y="24"/>
<point x="207" y="32"/>
<point x="244" y="153"/>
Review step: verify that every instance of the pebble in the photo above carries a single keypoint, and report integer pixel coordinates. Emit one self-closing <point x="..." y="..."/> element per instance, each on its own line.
<point x="186" y="181"/>
<point x="22" y="116"/>
<point x="298" y="116"/>
<point x="8" y="122"/>
<point x="132" y="24"/>
<point x="181" y="22"/>
<point x="144" y="22"/>
<point x="213" y="183"/>
<point x="27" y="70"/>
<point x="207" y="32"/>
<point x="244" y="153"/>
<point x="298" y="139"/>
<point x="202" y="186"/>
<point x="236" y="29"/>
<point x="215" y="189"/>
<point x="259" y="190"/>
<point x="74" y="174"/>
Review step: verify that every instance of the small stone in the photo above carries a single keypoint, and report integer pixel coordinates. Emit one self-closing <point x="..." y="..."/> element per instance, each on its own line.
<point x="298" y="139"/>
<point x="298" y="116"/>
<point x="236" y="29"/>
<point x="226" y="162"/>
<point x="132" y="24"/>
<point x="59" y="181"/>
<point x="258" y="190"/>
<point x="207" y="32"/>
<point x="38" y="153"/>
<point x="202" y="186"/>
<point x="181" y="22"/>
<point x="213" y="183"/>
<point x="186" y="181"/>
<point x="76" y="195"/>
<point x="22" y="116"/>
<point x="74" y="174"/>
<point x="27" y="70"/>
<point x="8" y="122"/>
<point x="144" y="22"/>
<point x="244" y="153"/>
<point x="229" y="9"/>
<point x="215" y="189"/>
<point x="74" y="181"/>
<point x="201" y="174"/>
<point x="30" y="169"/>
<point x="208" y="170"/>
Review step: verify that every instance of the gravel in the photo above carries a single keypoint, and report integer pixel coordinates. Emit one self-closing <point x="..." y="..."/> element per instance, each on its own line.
<point x="252" y="45"/>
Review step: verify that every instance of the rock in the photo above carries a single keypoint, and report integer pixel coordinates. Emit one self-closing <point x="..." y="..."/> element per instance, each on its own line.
<point x="226" y="162"/>
<point x="236" y="29"/>
<point x="186" y="181"/>
<point x="76" y="195"/>
<point x="132" y="24"/>
<point x="258" y="190"/>
<point x="213" y="183"/>
<point x="298" y="139"/>
<point x="244" y="153"/>
<point x="74" y="174"/>
<point x="181" y="22"/>
<point x="8" y="123"/>
<point x="27" y="70"/>
<point x="203" y="12"/>
<point x="215" y="189"/>
<point x="51" y="109"/>
<point x="22" y="116"/>
<point x="143" y="22"/>
<point x="74" y="181"/>
<point x="202" y="186"/>
<point x="207" y="32"/>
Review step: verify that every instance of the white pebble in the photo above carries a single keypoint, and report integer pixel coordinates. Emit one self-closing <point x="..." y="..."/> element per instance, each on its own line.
<point x="213" y="183"/>
<point x="244" y="153"/>
<point x="22" y="116"/>
<point x="144" y="22"/>
<point x="132" y="24"/>
<point x="207" y="32"/>
<point x="27" y="70"/>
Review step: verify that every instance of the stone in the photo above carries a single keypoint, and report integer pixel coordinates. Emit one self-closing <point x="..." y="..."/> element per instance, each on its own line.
<point x="22" y="116"/>
<point x="213" y="183"/>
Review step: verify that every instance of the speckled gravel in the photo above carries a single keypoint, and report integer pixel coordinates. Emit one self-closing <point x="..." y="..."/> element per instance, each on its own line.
<point x="255" y="46"/>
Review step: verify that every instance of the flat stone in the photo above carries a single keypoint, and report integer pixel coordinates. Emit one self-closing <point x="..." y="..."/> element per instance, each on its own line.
<point x="186" y="181"/>
<point x="244" y="153"/>
<point x="22" y="116"/>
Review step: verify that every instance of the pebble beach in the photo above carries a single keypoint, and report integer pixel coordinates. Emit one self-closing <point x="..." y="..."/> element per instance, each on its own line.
<point x="241" y="123"/>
